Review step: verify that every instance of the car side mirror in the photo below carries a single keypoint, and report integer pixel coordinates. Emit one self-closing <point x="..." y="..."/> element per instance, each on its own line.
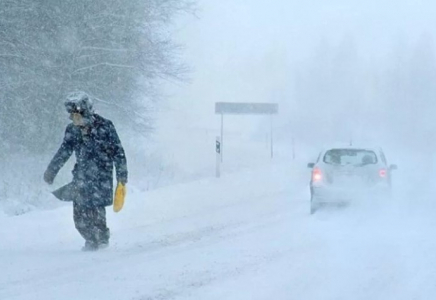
<point x="310" y="165"/>
<point x="393" y="167"/>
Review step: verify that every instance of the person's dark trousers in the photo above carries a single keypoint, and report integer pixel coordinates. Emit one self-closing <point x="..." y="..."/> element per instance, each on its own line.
<point x="91" y="223"/>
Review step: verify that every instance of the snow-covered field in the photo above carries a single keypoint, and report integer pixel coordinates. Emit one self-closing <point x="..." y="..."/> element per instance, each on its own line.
<point x="247" y="235"/>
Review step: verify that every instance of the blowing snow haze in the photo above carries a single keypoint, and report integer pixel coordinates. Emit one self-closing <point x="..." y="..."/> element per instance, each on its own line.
<point x="357" y="77"/>
<point x="339" y="69"/>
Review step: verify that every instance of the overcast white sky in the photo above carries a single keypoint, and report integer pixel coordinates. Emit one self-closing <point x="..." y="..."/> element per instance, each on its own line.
<point x="245" y="50"/>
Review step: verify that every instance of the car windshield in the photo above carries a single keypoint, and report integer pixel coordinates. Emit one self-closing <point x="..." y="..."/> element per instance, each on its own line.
<point x="357" y="157"/>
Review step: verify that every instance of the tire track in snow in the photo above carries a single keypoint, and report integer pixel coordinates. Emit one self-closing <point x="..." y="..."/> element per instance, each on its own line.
<point x="154" y="250"/>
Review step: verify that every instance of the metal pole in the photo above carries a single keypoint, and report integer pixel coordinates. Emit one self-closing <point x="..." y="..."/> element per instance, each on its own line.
<point x="218" y="157"/>
<point x="222" y="136"/>
<point x="293" y="148"/>
<point x="272" y="140"/>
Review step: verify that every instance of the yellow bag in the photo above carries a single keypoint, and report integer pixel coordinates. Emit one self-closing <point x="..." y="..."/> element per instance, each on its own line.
<point x="120" y="194"/>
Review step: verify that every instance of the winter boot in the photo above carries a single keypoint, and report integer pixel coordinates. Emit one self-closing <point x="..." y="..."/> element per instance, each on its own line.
<point x="90" y="246"/>
<point x="103" y="245"/>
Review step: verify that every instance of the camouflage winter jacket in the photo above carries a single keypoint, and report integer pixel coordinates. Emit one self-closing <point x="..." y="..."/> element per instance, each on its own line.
<point x="97" y="150"/>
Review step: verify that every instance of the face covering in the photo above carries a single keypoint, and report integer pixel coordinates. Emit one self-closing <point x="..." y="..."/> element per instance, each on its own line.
<point x="78" y="119"/>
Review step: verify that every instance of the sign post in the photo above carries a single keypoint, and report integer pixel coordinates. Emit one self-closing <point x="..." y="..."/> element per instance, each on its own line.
<point x="218" y="156"/>
<point x="272" y="140"/>
<point x="293" y="148"/>
<point x="222" y="137"/>
<point x="231" y="108"/>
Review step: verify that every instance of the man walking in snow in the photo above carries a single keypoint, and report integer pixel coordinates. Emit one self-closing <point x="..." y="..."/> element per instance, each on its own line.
<point x="97" y="148"/>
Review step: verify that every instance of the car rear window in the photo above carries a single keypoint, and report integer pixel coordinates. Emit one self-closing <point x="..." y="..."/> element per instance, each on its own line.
<point x="356" y="157"/>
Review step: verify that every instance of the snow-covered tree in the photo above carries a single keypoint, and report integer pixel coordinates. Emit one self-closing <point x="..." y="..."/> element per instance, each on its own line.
<point x="115" y="50"/>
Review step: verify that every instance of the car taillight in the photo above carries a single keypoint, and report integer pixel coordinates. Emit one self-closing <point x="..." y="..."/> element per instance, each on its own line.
<point x="383" y="173"/>
<point x="316" y="175"/>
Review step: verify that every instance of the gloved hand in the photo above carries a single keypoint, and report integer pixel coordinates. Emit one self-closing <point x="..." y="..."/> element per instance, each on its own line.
<point x="120" y="194"/>
<point x="49" y="177"/>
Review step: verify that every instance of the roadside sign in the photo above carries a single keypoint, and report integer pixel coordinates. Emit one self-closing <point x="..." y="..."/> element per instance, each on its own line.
<point x="229" y="108"/>
<point x="218" y="156"/>
<point x="218" y="147"/>
<point x="237" y="108"/>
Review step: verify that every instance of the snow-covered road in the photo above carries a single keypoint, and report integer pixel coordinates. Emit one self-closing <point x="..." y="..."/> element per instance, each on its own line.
<point x="244" y="236"/>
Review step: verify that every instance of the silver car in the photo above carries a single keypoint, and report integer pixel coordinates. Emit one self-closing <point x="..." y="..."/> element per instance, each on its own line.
<point x="343" y="173"/>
